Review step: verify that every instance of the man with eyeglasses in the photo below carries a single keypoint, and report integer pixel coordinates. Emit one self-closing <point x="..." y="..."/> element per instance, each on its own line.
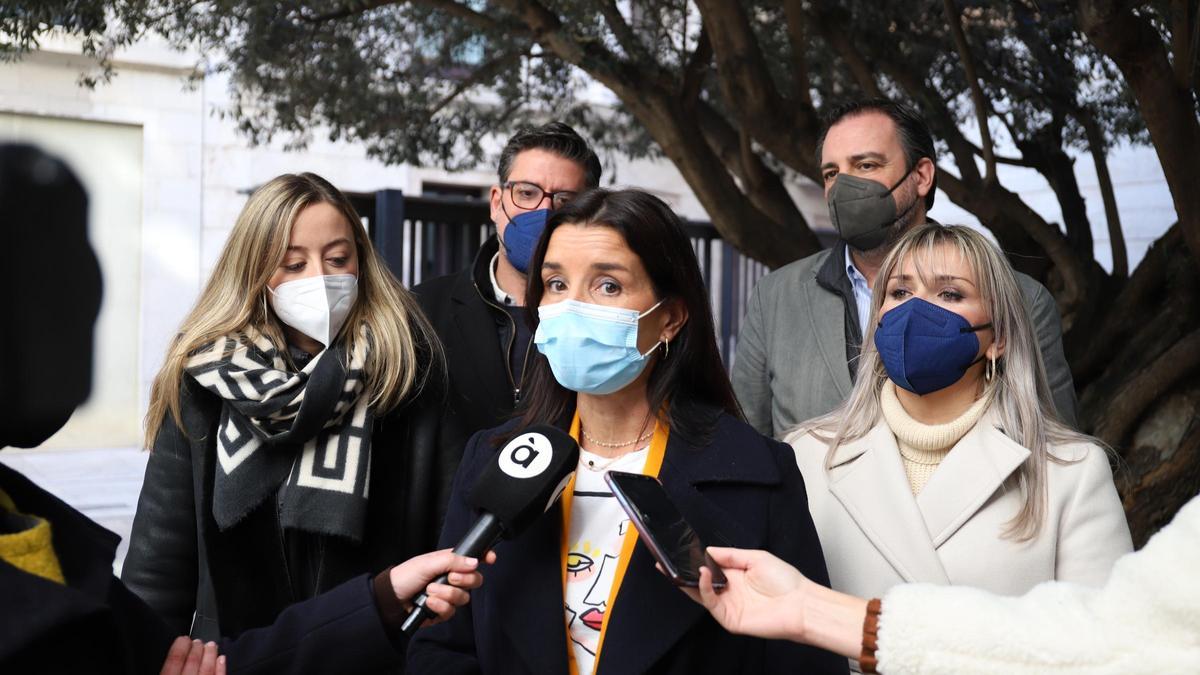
<point x="478" y="312"/>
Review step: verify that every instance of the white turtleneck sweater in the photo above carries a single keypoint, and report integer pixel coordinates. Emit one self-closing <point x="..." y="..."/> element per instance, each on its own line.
<point x="924" y="446"/>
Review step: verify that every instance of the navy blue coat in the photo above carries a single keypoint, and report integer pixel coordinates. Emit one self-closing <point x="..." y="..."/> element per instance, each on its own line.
<point x="741" y="489"/>
<point x="93" y="624"/>
<point x="338" y="631"/>
<point x="90" y="624"/>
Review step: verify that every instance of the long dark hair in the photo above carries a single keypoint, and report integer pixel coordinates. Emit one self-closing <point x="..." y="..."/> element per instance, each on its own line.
<point x="692" y="380"/>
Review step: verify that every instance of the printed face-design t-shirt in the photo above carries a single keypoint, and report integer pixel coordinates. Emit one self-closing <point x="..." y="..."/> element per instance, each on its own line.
<point x="597" y="530"/>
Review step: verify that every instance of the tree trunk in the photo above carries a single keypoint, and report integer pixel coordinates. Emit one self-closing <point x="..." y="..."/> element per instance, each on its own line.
<point x="1146" y="363"/>
<point x="1044" y="150"/>
<point x="739" y="220"/>
<point x="1161" y="469"/>
<point x="1099" y="151"/>
<point x="995" y="206"/>
<point x="1169" y="110"/>
<point x="674" y="126"/>
<point x="1139" y="384"/>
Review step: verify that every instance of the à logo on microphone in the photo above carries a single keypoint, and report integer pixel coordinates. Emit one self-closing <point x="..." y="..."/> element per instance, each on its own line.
<point x="526" y="456"/>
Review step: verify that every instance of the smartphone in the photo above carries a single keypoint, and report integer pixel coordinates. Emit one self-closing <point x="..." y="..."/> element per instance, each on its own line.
<point x="671" y="540"/>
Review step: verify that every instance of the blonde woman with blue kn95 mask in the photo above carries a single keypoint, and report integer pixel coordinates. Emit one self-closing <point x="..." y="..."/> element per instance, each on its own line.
<point x="947" y="464"/>
<point x="285" y="456"/>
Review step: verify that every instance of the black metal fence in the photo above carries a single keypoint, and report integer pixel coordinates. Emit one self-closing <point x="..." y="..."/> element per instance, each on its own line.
<point x="424" y="237"/>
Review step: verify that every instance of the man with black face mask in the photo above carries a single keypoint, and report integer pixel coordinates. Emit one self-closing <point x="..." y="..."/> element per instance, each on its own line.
<point x="797" y="346"/>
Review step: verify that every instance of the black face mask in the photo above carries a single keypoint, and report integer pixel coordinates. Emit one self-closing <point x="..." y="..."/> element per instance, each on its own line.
<point x="862" y="210"/>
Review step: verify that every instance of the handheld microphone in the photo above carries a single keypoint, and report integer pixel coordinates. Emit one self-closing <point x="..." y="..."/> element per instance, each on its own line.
<point x="521" y="483"/>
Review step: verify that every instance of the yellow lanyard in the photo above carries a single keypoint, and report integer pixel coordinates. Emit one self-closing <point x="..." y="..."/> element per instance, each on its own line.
<point x="654" y="460"/>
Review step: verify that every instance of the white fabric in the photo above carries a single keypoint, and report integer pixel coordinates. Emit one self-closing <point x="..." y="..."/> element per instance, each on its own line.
<point x="500" y="294"/>
<point x="598" y="526"/>
<point x="862" y="294"/>
<point x="316" y="306"/>
<point x="1146" y="619"/>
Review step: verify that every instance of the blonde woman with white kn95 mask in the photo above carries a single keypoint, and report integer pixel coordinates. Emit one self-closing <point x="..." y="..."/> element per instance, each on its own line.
<point x="947" y="464"/>
<point x="285" y="458"/>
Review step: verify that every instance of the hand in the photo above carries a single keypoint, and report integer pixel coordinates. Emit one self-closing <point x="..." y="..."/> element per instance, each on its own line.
<point x="192" y="657"/>
<point x="415" y="574"/>
<point x="763" y="597"/>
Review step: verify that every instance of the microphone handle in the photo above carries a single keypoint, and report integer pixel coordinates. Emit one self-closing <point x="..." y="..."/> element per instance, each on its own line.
<point x="474" y="544"/>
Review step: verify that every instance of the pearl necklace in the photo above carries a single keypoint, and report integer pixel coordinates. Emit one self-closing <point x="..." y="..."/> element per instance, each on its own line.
<point x="591" y="464"/>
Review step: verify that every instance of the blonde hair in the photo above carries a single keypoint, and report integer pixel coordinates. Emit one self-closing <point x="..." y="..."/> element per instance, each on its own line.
<point x="403" y="347"/>
<point x="1019" y="395"/>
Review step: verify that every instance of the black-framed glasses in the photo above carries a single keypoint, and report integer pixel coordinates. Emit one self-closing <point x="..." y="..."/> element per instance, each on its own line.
<point x="530" y="195"/>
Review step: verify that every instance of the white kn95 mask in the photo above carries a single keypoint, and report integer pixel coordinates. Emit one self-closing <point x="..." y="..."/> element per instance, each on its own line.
<point x="316" y="306"/>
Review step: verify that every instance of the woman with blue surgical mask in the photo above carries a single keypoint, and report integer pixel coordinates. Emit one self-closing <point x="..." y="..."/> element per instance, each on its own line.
<point x="628" y="363"/>
<point x="285" y="457"/>
<point x="946" y="464"/>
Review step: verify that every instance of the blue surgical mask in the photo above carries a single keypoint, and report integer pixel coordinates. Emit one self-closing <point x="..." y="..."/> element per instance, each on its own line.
<point x="592" y="349"/>
<point x="521" y="237"/>
<point x="924" y="347"/>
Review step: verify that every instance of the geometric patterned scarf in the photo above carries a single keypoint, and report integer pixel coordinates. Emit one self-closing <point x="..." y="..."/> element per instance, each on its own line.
<point x="301" y="437"/>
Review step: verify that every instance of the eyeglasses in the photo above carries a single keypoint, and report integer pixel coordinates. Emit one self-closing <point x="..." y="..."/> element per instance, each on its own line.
<point x="530" y="196"/>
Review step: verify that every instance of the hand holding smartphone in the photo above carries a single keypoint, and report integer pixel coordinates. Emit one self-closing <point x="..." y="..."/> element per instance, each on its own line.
<point x="671" y="540"/>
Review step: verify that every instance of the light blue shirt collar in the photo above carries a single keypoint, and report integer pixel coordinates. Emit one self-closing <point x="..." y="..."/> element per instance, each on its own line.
<point x="862" y="293"/>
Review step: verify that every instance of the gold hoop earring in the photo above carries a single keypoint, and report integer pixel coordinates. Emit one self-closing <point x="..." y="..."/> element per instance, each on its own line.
<point x="991" y="368"/>
<point x="666" y="349"/>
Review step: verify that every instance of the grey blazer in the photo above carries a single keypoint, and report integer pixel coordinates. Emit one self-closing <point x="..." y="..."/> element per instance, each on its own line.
<point x="795" y="342"/>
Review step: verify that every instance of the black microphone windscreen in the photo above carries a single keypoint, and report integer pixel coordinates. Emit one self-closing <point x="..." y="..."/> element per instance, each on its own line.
<point x="525" y="477"/>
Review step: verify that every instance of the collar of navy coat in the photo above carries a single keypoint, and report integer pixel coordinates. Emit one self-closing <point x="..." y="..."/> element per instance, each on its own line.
<point x="867" y="477"/>
<point x="651" y="614"/>
<point x="85" y="551"/>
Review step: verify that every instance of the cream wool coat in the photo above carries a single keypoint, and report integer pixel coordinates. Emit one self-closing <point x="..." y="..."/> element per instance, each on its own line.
<point x="875" y="534"/>
<point x="1146" y="619"/>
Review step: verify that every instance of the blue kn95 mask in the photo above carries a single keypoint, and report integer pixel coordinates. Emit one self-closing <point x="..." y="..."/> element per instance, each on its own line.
<point x="521" y="237"/>
<point x="925" y="347"/>
<point x="592" y="349"/>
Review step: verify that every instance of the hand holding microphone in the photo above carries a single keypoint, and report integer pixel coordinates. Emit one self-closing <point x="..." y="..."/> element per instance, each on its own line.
<point x="443" y="576"/>
<point x="523" y="480"/>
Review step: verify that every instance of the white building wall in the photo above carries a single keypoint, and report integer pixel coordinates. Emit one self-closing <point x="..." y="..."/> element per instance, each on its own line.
<point x="150" y="101"/>
<point x="107" y="158"/>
